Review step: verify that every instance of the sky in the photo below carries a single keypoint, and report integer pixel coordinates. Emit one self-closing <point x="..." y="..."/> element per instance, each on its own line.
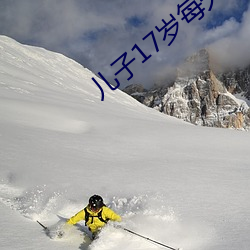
<point x="96" y="33"/>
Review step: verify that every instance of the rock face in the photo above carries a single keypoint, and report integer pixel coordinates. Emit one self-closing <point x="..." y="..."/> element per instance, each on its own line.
<point x="137" y="91"/>
<point x="237" y="81"/>
<point x="200" y="97"/>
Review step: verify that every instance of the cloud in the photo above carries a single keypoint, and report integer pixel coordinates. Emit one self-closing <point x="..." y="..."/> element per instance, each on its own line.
<point x="232" y="50"/>
<point x="225" y="5"/>
<point x="97" y="32"/>
<point x="228" y="28"/>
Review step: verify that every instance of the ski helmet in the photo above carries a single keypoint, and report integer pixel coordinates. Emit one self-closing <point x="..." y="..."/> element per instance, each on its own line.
<point x="95" y="202"/>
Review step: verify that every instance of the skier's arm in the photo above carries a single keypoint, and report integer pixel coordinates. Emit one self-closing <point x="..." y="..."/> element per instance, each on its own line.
<point x="77" y="217"/>
<point x="110" y="214"/>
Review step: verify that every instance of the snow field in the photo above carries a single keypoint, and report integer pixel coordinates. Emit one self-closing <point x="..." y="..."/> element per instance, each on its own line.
<point x="146" y="215"/>
<point x="181" y="185"/>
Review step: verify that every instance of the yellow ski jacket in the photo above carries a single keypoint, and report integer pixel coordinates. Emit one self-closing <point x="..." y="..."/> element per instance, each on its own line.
<point x="94" y="223"/>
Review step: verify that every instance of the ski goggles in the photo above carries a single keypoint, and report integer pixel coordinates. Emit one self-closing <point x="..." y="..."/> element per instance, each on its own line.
<point x="94" y="208"/>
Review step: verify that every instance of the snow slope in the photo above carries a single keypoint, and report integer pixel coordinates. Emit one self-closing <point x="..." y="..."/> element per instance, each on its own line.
<point x="179" y="184"/>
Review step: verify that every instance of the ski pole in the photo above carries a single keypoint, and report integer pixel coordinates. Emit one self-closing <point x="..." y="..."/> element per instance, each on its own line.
<point x="45" y="228"/>
<point x="146" y="238"/>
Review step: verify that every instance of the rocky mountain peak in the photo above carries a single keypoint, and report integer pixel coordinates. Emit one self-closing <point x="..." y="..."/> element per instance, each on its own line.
<point x="197" y="64"/>
<point x="237" y="81"/>
<point x="200" y="96"/>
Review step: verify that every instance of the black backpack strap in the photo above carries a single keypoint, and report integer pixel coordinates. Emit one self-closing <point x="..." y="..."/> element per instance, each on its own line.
<point x="86" y="216"/>
<point x="99" y="215"/>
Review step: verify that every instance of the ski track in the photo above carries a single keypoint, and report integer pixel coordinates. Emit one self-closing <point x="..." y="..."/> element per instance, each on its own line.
<point x="144" y="214"/>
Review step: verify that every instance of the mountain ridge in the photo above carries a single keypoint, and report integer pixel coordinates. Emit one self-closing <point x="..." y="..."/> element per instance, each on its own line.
<point x="200" y="95"/>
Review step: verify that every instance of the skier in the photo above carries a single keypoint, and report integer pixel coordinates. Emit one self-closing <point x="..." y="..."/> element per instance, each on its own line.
<point x="95" y="214"/>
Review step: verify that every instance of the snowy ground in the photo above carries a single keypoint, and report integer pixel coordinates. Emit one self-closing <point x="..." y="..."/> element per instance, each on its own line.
<point x="182" y="185"/>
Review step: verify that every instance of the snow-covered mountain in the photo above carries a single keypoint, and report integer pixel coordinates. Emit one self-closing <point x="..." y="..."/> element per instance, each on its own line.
<point x="237" y="81"/>
<point x="201" y="96"/>
<point x="182" y="185"/>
